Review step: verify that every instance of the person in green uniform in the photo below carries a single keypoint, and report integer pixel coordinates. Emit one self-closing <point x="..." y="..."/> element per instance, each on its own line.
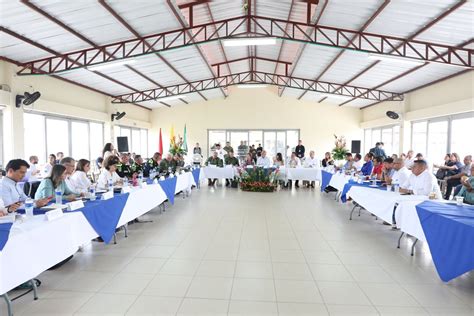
<point x="179" y="160"/>
<point x="228" y="148"/>
<point x="152" y="163"/>
<point x="137" y="165"/>
<point x="124" y="170"/>
<point x="168" y="163"/>
<point x="230" y="160"/>
<point x="215" y="161"/>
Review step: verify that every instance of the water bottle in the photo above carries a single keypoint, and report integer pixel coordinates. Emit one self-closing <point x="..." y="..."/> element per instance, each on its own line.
<point x="92" y="193"/>
<point x="59" y="196"/>
<point x="29" y="207"/>
<point x="140" y="178"/>
<point x="111" y="185"/>
<point x="125" y="182"/>
<point x="169" y="170"/>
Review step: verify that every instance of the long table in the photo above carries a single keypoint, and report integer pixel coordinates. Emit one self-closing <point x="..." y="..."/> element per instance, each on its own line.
<point x="36" y="244"/>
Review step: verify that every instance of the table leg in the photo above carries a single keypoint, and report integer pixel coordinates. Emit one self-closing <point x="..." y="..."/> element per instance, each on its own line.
<point x="115" y="238"/>
<point x="9" y="304"/>
<point x="399" y="239"/>
<point x="413" y="247"/>
<point x="35" y="289"/>
<point x="353" y="209"/>
<point x="125" y="230"/>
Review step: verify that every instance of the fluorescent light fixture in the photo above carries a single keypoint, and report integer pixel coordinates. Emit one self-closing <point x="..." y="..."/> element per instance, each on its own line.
<point x="111" y="64"/>
<point x="250" y="41"/>
<point x="251" y="85"/>
<point x="171" y="98"/>
<point x="396" y="59"/>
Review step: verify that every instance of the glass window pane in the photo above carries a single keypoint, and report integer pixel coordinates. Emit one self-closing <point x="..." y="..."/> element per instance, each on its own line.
<point x="396" y="140"/>
<point x="387" y="140"/>
<point x="143" y="143"/>
<point x="291" y="141"/>
<point x="96" y="140"/>
<point x="255" y="138"/>
<point x="236" y="138"/>
<point x="136" y="143"/>
<point x="270" y="143"/>
<point x="80" y="140"/>
<point x="34" y="137"/>
<point x="57" y="136"/>
<point x="216" y="137"/>
<point x="418" y="142"/>
<point x="367" y="140"/>
<point x="437" y="141"/>
<point x="376" y="137"/>
<point x="461" y="138"/>
<point x="280" y="144"/>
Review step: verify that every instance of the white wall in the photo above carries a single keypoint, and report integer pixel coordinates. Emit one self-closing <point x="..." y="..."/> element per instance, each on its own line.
<point x="59" y="98"/>
<point x="448" y="97"/>
<point x="260" y="109"/>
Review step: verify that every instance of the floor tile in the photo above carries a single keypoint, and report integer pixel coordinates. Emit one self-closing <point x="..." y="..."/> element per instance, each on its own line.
<point x="342" y="293"/>
<point x="195" y="306"/>
<point x="252" y="308"/>
<point x="152" y="305"/>
<point x="207" y="287"/>
<point x="294" y="291"/>
<point x="168" y="285"/>
<point x="245" y="269"/>
<point x="253" y="290"/>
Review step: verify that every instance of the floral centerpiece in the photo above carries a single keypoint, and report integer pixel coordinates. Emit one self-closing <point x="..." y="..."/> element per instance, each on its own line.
<point x="176" y="146"/>
<point x="340" y="151"/>
<point x="258" y="179"/>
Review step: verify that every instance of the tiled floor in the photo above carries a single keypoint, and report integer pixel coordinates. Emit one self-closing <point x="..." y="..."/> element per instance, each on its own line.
<point x="224" y="251"/>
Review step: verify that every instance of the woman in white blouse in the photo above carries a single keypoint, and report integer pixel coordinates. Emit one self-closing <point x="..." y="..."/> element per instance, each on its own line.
<point x="108" y="151"/>
<point x="79" y="178"/>
<point x="108" y="173"/>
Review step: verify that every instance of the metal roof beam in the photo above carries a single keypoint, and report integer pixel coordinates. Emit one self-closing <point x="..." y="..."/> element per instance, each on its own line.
<point x="444" y="55"/>
<point x="362" y="28"/>
<point x="301" y="32"/>
<point x="191" y="36"/>
<point x="257" y="77"/>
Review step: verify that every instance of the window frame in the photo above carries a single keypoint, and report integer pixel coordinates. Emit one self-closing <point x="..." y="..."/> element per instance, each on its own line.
<point x="136" y="129"/>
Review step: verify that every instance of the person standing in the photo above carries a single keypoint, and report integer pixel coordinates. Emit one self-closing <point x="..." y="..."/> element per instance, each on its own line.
<point x="228" y="148"/>
<point x="197" y="150"/>
<point x="299" y="150"/>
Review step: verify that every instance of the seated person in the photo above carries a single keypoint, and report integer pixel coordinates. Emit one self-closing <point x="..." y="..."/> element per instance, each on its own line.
<point x="79" y="178"/>
<point x="11" y="194"/>
<point x="311" y="161"/>
<point x="248" y="160"/>
<point x="263" y="160"/>
<point x="467" y="190"/>
<point x="357" y="163"/>
<point x="168" y="165"/>
<point x="378" y="168"/>
<point x="327" y="161"/>
<point x="124" y="170"/>
<point x="70" y="165"/>
<point x="214" y="160"/>
<point x="137" y="165"/>
<point x="49" y="165"/>
<point x="401" y="174"/>
<point x="56" y="180"/>
<point x="294" y="162"/>
<point x="230" y="160"/>
<point x="152" y="164"/>
<point x="366" y="169"/>
<point x="33" y="171"/>
<point x="178" y="160"/>
<point x="278" y="160"/>
<point x="349" y="162"/>
<point x="454" y="180"/>
<point x="421" y="181"/>
<point x="109" y="173"/>
<point x="387" y="171"/>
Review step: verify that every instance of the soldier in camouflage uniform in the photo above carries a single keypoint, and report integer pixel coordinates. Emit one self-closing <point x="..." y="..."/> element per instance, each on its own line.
<point x="137" y="165"/>
<point x="215" y="161"/>
<point x="232" y="161"/>
<point x="152" y="163"/>
<point x="124" y="170"/>
<point x="167" y="163"/>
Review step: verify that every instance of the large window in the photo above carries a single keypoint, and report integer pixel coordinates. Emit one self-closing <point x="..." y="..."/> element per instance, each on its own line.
<point x="45" y="134"/>
<point x="137" y="139"/>
<point x="436" y="137"/>
<point x="389" y="135"/>
<point x="273" y="141"/>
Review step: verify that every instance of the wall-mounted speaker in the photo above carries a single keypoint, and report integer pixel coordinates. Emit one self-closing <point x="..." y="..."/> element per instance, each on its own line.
<point x="122" y="144"/>
<point x="355" y="147"/>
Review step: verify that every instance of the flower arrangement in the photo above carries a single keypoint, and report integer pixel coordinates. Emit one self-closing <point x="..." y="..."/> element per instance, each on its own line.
<point x="258" y="179"/>
<point x="340" y="151"/>
<point x="176" y="147"/>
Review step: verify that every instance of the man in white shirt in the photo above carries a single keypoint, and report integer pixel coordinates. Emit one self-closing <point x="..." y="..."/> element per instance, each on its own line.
<point x="70" y="165"/>
<point x="220" y="152"/>
<point x="421" y="181"/>
<point x="409" y="160"/>
<point x="263" y="160"/>
<point x="311" y="161"/>
<point x="401" y="175"/>
<point x="357" y="162"/>
<point x="33" y="172"/>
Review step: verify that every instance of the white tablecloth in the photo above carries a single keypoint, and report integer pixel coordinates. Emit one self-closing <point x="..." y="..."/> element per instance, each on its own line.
<point x="308" y="174"/>
<point x="338" y="181"/>
<point x="218" y="173"/>
<point x="407" y="218"/>
<point x="36" y="244"/>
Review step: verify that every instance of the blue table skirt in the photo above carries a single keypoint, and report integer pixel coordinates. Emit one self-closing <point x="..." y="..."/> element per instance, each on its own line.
<point x="351" y="183"/>
<point x="325" y="179"/>
<point x="4" y="234"/>
<point x="449" y="231"/>
<point x="169" y="187"/>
